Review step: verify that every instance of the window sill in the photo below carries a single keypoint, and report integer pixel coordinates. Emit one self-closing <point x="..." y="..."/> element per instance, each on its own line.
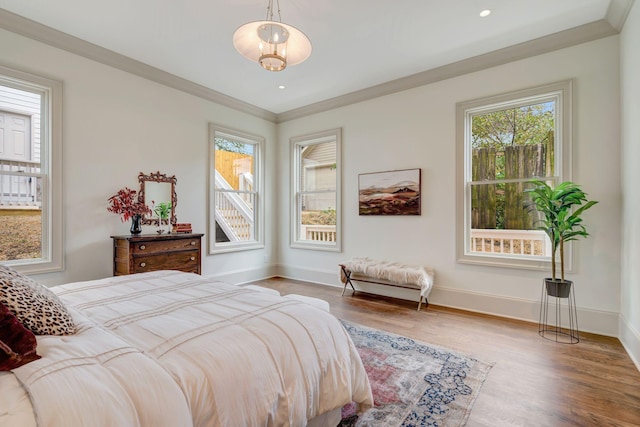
<point x="235" y="247"/>
<point x="333" y="247"/>
<point x="533" y="263"/>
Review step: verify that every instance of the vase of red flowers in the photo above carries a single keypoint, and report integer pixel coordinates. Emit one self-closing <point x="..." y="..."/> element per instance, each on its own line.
<point x="128" y="206"/>
<point x="136" y="227"/>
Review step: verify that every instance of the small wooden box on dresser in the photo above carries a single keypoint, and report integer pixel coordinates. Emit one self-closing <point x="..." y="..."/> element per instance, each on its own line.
<point x="151" y="252"/>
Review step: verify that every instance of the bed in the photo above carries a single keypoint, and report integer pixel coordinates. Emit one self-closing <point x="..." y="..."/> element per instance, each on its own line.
<point x="168" y="348"/>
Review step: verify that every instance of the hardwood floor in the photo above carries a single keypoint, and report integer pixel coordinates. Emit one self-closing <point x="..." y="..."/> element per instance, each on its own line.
<point x="535" y="382"/>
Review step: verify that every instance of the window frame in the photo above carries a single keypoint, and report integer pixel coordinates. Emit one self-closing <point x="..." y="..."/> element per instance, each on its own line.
<point x="52" y="258"/>
<point x="562" y="93"/>
<point x="258" y="214"/>
<point x="296" y="169"/>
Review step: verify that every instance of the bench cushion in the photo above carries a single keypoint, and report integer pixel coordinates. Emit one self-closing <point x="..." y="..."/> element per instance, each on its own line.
<point x="390" y="272"/>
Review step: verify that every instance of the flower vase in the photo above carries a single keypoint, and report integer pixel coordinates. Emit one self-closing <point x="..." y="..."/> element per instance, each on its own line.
<point x="136" y="228"/>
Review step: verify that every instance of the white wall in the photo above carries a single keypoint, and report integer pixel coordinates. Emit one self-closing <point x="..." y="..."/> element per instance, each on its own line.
<point x="416" y="129"/>
<point x="630" y="280"/>
<point x="116" y="125"/>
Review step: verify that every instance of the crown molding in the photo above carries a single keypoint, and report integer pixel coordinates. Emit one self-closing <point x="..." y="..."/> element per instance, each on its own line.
<point x="611" y="25"/>
<point x="617" y="13"/>
<point x="42" y="33"/>
<point x="550" y="43"/>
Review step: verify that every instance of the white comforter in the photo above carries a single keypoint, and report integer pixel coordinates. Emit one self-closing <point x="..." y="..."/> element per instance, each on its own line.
<point x="92" y="378"/>
<point x="241" y="357"/>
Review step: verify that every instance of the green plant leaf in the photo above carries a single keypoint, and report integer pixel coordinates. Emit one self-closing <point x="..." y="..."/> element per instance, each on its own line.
<point x="560" y="222"/>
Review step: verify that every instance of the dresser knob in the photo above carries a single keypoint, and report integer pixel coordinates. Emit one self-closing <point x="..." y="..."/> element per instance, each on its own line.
<point x="193" y="243"/>
<point x="143" y="264"/>
<point x="193" y="258"/>
<point x="143" y="247"/>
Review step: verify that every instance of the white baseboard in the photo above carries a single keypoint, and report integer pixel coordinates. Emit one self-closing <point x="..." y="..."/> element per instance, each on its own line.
<point x="630" y="339"/>
<point x="595" y="321"/>
<point x="323" y="277"/>
<point x="240" y="277"/>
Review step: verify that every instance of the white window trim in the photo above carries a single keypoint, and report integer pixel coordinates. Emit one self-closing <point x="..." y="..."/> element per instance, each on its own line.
<point x="563" y="165"/>
<point x="258" y="141"/>
<point x="311" y="139"/>
<point x="51" y="164"/>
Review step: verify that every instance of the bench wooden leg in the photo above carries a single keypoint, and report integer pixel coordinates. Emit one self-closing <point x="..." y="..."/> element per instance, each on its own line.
<point x="347" y="275"/>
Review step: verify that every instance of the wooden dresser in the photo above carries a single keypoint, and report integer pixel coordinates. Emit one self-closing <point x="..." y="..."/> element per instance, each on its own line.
<point x="150" y="252"/>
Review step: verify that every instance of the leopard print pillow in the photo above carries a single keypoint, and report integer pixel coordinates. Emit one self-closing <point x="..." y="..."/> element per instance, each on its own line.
<point x="37" y="308"/>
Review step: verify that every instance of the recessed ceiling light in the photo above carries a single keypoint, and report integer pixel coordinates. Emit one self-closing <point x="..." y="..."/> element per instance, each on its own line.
<point x="281" y="87"/>
<point x="485" y="12"/>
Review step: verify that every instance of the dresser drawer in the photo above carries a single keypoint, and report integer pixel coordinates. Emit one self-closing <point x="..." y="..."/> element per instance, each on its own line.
<point x="143" y="253"/>
<point x="183" y="260"/>
<point x="152" y="247"/>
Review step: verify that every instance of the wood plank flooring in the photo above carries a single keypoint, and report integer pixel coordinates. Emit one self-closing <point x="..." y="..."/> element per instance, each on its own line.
<point x="535" y="382"/>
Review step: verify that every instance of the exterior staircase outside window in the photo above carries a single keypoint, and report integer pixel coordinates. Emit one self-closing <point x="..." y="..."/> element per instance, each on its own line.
<point x="234" y="209"/>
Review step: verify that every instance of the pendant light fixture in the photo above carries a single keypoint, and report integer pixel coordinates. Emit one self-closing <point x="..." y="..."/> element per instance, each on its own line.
<point x="272" y="44"/>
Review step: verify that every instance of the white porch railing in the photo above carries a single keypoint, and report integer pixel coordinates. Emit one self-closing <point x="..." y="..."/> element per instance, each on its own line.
<point x="20" y="184"/>
<point x="318" y="233"/>
<point x="234" y="212"/>
<point x="245" y="183"/>
<point x="520" y="242"/>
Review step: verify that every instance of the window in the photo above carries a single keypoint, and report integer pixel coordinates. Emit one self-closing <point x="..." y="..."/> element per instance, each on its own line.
<point x="235" y="183"/>
<point x="30" y="167"/>
<point x="503" y="142"/>
<point x="316" y="191"/>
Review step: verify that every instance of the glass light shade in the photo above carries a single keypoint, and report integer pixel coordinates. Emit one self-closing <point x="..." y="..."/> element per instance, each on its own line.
<point x="273" y="45"/>
<point x="273" y="33"/>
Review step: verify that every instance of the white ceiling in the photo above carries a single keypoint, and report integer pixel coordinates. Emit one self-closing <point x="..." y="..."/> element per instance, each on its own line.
<point x="357" y="44"/>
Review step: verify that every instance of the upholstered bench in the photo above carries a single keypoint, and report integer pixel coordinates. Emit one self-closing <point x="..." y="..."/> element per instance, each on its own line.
<point x="389" y="274"/>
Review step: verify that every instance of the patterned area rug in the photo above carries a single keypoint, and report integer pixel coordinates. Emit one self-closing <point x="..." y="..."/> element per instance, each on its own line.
<point x="413" y="383"/>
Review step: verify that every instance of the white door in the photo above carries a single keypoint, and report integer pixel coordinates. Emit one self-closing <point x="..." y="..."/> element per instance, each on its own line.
<point x="15" y="144"/>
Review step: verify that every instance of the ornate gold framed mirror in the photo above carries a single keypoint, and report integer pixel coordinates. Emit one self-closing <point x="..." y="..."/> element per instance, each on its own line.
<point x="156" y="189"/>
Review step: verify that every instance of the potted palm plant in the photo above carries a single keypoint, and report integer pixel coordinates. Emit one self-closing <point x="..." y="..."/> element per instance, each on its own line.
<point x="163" y="210"/>
<point x="560" y="222"/>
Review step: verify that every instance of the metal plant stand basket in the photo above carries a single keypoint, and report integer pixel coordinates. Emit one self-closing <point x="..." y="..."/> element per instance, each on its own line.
<point x="565" y="303"/>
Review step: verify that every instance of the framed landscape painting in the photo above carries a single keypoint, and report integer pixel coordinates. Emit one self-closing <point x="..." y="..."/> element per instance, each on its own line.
<point x="389" y="193"/>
